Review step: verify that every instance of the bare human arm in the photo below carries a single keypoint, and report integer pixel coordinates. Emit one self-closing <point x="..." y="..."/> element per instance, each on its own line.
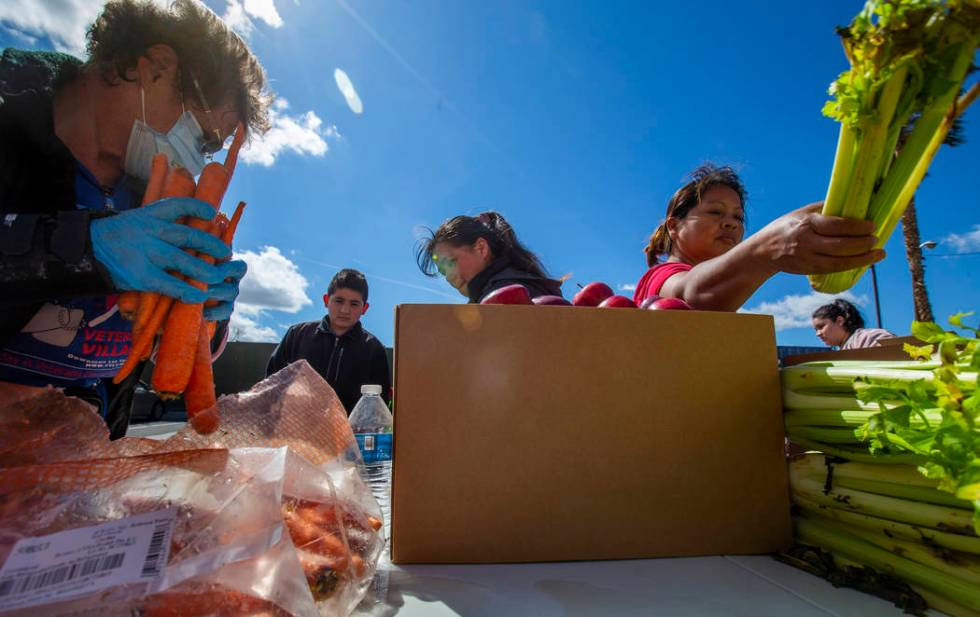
<point x="801" y="242"/>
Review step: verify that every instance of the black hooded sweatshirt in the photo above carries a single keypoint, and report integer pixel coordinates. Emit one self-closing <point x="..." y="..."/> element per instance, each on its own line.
<point x="346" y="362"/>
<point x="501" y="273"/>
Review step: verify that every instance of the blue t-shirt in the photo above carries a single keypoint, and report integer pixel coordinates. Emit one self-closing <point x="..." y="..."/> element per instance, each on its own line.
<point x="74" y="342"/>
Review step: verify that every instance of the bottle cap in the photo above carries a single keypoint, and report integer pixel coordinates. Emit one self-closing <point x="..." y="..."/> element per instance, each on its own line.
<point x="371" y="389"/>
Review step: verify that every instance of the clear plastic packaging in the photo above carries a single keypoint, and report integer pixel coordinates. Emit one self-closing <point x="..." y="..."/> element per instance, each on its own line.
<point x="272" y="516"/>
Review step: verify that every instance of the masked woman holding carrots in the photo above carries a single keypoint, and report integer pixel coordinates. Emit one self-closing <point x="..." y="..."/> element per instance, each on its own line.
<point x="480" y="254"/>
<point x="706" y="263"/>
<point x="77" y="144"/>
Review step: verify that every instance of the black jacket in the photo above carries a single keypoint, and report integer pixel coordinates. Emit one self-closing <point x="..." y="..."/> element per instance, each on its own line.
<point x="347" y="362"/>
<point x="45" y="250"/>
<point x="500" y="273"/>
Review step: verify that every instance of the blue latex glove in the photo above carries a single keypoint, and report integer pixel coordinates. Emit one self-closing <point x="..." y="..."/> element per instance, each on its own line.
<point x="138" y="246"/>
<point x="225" y="293"/>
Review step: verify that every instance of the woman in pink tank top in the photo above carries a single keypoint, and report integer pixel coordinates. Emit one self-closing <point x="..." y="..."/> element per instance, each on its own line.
<point x="706" y="263"/>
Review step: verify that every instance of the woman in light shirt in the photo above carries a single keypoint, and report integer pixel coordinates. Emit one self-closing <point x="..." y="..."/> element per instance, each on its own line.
<point x="839" y="324"/>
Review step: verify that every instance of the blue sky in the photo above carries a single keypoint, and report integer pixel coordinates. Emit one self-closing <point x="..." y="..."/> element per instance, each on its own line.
<point x="577" y="121"/>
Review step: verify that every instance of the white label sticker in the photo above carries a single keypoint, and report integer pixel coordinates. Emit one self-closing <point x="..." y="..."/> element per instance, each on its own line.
<point x="76" y="562"/>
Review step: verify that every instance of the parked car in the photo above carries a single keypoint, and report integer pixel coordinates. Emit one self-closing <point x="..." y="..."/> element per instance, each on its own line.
<point x="147" y="406"/>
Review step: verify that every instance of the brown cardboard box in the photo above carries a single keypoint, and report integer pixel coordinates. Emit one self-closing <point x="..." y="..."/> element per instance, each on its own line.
<point x="527" y="433"/>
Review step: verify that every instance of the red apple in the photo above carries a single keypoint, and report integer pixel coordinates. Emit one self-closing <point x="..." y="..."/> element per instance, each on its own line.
<point x="551" y="301"/>
<point x="645" y="304"/>
<point x="617" y="302"/>
<point x="511" y="294"/>
<point x="670" y="304"/>
<point x="592" y="294"/>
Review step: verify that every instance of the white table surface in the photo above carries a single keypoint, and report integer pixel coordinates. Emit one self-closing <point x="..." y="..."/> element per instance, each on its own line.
<point x="757" y="586"/>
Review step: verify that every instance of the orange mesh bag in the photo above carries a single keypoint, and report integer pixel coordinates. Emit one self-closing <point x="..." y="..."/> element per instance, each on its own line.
<point x="294" y="407"/>
<point x="46" y="427"/>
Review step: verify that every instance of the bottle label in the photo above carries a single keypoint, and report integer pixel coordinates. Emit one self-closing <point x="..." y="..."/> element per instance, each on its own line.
<point x="375" y="447"/>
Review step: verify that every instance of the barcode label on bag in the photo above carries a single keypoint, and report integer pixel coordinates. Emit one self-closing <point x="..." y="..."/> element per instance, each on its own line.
<point x="76" y="562"/>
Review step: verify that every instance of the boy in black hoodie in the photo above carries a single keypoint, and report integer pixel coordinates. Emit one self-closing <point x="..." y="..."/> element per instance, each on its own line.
<point x="345" y="354"/>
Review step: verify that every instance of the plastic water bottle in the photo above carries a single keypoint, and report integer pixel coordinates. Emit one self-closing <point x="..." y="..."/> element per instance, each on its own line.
<point x="371" y="422"/>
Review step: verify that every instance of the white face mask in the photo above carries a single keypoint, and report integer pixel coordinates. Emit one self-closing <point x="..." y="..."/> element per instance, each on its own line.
<point x="183" y="144"/>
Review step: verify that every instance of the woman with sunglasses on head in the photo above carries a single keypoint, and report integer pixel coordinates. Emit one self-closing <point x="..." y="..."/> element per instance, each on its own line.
<point x="76" y="144"/>
<point x="698" y="253"/>
<point x="480" y="254"/>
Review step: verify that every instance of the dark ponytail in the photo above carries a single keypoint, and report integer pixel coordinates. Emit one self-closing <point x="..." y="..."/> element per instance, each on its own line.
<point x="841" y="308"/>
<point x="686" y="198"/>
<point x="466" y="230"/>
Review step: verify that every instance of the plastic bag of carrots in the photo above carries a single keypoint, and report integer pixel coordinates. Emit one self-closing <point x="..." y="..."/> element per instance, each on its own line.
<point x="217" y="513"/>
<point x="281" y="466"/>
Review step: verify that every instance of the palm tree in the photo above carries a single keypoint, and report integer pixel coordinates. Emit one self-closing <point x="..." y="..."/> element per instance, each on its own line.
<point x="910" y="223"/>
<point x="913" y="253"/>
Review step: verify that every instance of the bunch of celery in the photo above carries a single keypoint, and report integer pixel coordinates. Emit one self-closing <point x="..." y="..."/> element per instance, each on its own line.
<point x="899" y="491"/>
<point x="909" y="59"/>
<point x="894" y="521"/>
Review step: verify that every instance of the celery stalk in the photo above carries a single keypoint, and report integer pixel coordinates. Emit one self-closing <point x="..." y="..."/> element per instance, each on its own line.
<point x="825" y="434"/>
<point x="840" y="175"/>
<point x="906" y="475"/>
<point x="963" y="566"/>
<point x="832" y="379"/>
<point x="793" y="400"/>
<point x="913" y="161"/>
<point x="870" y="150"/>
<point x="944" y="605"/>
<point x="844" y="417"/>
<point x="860" y="454"/>
<point x="943" y="518"/>
<point x="914" y="533"/>
<point x="836" y="538"/>
<point x="903" y="491"/>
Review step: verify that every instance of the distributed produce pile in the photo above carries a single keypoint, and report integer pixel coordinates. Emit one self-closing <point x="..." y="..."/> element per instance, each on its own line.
<point x="892" y="501"/>
<point x="267" y="515"/>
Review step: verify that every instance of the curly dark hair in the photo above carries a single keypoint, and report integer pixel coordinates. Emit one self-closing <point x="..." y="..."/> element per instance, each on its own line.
<point x="841" y="308"/>
<point x="465" y="230"/>
<point x="702" y="179"/>
<point x="206" y="48"/>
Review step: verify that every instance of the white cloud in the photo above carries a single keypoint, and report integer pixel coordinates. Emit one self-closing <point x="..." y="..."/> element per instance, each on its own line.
<point x="346" y="88"/>
<point x="273" y="283"/>
<point x="237" y="20"/>
<point x="969" y="241"/>
<point x="302" y="134"/>
<point x="626" y="287"/>
<point x="794" y="311"/>
<point x="63" y="21"/>
<point x="264" y="10"/>
<point x="243" y="328"/>
<point x="238" y="15"/>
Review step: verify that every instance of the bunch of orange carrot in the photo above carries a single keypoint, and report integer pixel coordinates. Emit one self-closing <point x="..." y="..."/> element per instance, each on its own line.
<point x="183" y="357"/>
